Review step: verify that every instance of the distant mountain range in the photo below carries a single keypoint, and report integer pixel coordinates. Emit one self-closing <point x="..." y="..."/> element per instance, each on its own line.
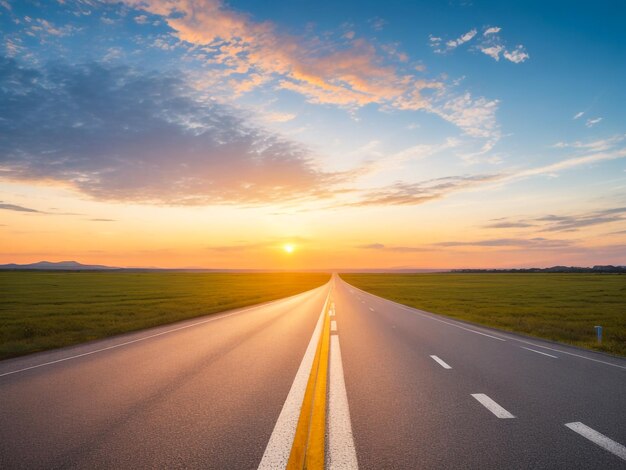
<point x="60" y="266"/>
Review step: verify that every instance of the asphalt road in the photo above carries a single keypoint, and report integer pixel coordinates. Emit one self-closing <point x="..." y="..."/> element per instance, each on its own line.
<point x="203" y="396"/>
<point x="410" y="412"/>
<point x="407" y="389"/>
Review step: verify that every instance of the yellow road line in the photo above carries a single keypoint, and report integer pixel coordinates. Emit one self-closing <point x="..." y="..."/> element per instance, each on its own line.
<point x="307" y="451"/>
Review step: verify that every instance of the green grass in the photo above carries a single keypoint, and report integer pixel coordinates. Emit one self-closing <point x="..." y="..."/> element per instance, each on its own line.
<point x="44" y="310"/>
<point x="558" y="307"/>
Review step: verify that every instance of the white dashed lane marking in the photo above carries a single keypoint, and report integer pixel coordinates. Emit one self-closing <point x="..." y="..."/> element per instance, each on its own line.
<point x="440" y="362"/>
<point x="594" y="436"/>
<point x="492" y="406"/>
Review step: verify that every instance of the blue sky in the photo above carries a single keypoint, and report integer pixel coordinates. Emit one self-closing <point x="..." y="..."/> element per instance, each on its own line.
<point x="456" y="113"/>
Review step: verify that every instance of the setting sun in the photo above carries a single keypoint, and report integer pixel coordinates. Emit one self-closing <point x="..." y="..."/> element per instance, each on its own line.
<point x="289" y="248"/>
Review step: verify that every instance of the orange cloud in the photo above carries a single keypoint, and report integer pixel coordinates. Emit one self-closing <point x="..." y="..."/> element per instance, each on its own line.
<point x="352" y="74"/>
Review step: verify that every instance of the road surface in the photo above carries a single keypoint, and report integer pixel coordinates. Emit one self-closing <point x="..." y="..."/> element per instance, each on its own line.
<point x="406" y="390"/>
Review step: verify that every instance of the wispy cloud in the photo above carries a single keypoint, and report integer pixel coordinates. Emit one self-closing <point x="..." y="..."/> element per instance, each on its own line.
<point x="454" y="43"/>
<point x="578" y="115"/>
<point x="371" y="246"/>
<point x="492" y="51"/>
<point x="565" y="223"/>
<point x="13" y="207"/>
<point x="475" y="116"/>
<point x="517" y="55"/>
<point x="593" y="122"/>
<point x="519" y="243"/>
<point x="599" y="145"/>
<point x="493" y="45"/>
<point x="403" y="193"/>
<point x="422" y="192"/>
<point x="509" y="224"/>
<point x="439" y="47"/>
<point x="489" y="43"/>
<point x="492" y="30"/>
<point x="537" y="243"/>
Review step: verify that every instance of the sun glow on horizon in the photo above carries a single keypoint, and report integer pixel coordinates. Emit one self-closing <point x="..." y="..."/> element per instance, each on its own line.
<point x="289" y="248"/>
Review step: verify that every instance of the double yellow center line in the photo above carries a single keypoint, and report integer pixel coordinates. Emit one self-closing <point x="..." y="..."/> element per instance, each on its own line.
<point x="307" y="451"/>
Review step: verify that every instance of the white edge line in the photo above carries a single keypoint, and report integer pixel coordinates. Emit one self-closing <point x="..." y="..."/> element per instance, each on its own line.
<point x="539" y="352"/>
<point x="413" y="310"/>
<point x="143" y="338"/>
<point x="569" y="353"/>
<point x="278" y="448"/>
<point x="417" y="312"/>
<point x="441" y="362"/>
<point x="594" y="436"/>
<point x="341" y="450"/>
<point x="452" y="324"/>
<point x="492" y="406"/>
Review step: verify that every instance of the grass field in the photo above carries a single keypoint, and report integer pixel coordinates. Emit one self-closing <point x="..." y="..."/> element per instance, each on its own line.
<point x="559" y="307"/>
<point x="43" y="310"/>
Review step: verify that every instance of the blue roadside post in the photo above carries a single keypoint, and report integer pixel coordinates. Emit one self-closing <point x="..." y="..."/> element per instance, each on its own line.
<point x="599" y="333"/>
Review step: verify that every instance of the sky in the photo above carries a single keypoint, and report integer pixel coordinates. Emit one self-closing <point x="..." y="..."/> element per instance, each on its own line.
<point x="363" y="134"/>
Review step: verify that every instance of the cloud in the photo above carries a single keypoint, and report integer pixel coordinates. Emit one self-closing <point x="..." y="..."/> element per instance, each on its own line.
<point x="102" y="220"/>
<point x="403" y="193"/>
<point x="565" y="223"/>
<point x="117" y="133"/>
<point x="399" y="249"/>
<point x="422" y="192"/>
<point x="436" y="42"/>
<point x="599" y="145"/>
<point x="492" y="51"/>
<point x="44" y="28"/>
<point x="506" y="224"/>
<point x="372" y="246"/>
<point x="517" y="55"/>
<point x="537" y="243"/>
<point x="475" y="116"/>
<point x="491" y="44"/>
<point x="492" y="30"/>
<point x="593" y="122"/>
<point x="454" y="43"/>
<point x="578" y="115"/>
<point x="141" y="19"/>
<point x="553" y="223"/>
<point x="13" y="207"/>
<point x="352" y="75"/>
<point x="349" y="74"/>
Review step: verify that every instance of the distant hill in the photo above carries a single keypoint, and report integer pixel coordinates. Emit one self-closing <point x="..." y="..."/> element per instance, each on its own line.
<point x="553" y="269"/>
<point x="60" y="266"/>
